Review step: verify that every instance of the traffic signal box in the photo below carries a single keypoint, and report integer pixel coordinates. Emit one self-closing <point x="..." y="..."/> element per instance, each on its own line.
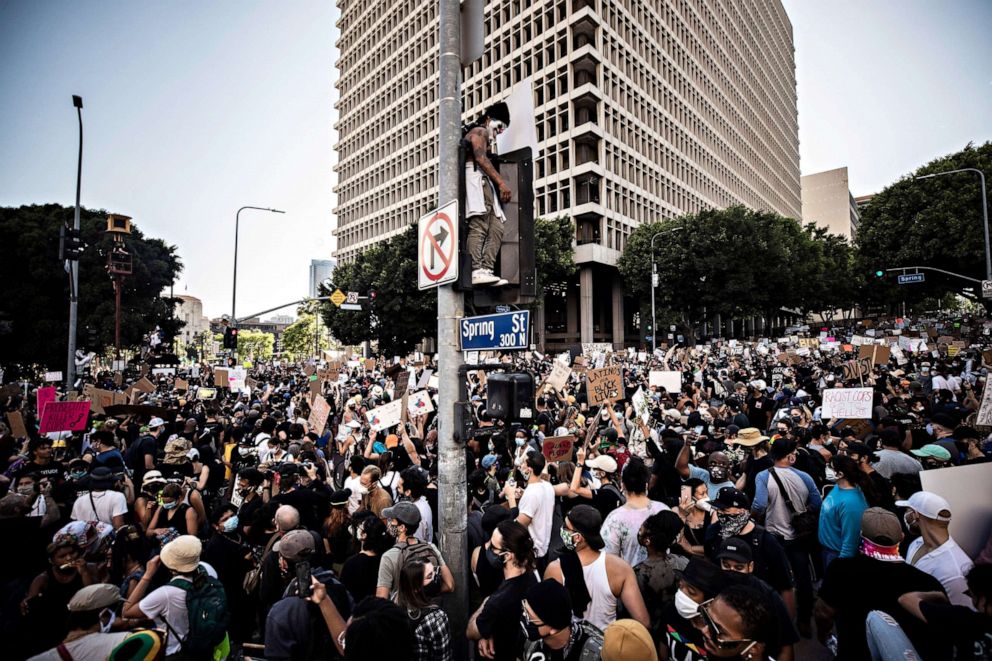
<point x="516" y="261"/>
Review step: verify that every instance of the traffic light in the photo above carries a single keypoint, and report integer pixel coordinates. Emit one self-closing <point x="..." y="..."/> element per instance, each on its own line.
<point x="70" y="243"/>
<point x="372" y="295"/>
<point x="879" y="273"/>
<point x="230" y="338"/>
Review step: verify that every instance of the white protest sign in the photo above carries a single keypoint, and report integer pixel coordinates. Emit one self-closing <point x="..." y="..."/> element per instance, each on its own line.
<point x="589" y="348"/>
<point x="419" y="403"/>
<point x="424" y="378"/>
<point x="53" y="376"/>
<point x="962" y="487"/>
<point x="559" y="376"/>
<point x="236" y="378"/>
<point x="671" y="381"/>
<point x="642" y="405"/>
<point x="565" y="358"/>
<point x="433" y="381"/>
<point x="984" y="418"/>
<point x="854" y="403"/>
<point x="385" y="416"/>
<point x="642" y="356"/>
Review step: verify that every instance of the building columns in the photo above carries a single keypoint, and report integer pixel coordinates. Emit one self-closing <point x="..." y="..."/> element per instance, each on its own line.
<point x="618" y="325"/>
<point x="585" y="304"/>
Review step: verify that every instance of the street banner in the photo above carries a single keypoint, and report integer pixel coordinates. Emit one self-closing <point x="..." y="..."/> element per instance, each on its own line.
<point x="64" y="416"/>
<point x="419" y="403"/>
<point x="559" y="376"/>
<point x="319" y="410"/>
<point x="558" y="448"/>
<point x="45" y="395"/>
<point x="671" y="381"/>
<point x="604" y="385"/>
<point x="847" y="403"/>
<point x="385" y="416"/>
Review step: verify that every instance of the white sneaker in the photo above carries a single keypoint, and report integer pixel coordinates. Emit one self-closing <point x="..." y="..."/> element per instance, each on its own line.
<point x="502" y="282"/>
<point x="483" y="277"/>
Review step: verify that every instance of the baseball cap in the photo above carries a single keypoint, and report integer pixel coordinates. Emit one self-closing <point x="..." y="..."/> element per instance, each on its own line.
<point x="627" y="640"/>
<point x="944" y="420"/>
<point x="94" y="597"/>
<point x="881" y="526"/>
<point x="933" y="451"/>
<point x="928" y="504"/>
<point x="603" y="462"/>
<point x="182" y="554"/>
<point x="730" y="497"/>
<point x="703" y="574"/>
<point x="489" y="460"/>
<point x="405" y="512"/>
<point x="735" y="548"/>
<point x="587" y="520"/>
<point x="295" y="545"/>
<point x="551" y="602"/>
<point x="155" y="422"/>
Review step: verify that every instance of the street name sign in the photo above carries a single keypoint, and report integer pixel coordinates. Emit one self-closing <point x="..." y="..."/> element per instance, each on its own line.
<point x="911" y="278"/>
<point x="504" y="331"/>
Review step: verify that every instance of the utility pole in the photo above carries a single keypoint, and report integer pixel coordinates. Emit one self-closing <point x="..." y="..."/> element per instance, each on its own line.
<point x="72" y="265"/>
<point x="452" y="487"/>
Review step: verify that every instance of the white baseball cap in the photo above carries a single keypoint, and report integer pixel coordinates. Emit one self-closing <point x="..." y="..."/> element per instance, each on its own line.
<point x="155" y="422"/>
<point x="929" y="505"/>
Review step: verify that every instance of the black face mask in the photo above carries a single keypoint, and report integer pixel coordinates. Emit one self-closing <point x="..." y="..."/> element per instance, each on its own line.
<point x="497" y="561"/>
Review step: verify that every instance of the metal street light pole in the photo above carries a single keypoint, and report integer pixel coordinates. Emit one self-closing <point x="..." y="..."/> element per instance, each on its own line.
<point x="234" y="286"/>
<point x="985" y="212"/>
<point x="654" y="279"/>
<point x="72" y="265"/>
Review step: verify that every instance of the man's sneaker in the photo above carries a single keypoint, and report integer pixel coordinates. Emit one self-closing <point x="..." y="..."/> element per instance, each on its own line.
<point x="483" y="277"/>
<point x="501" y="282"/>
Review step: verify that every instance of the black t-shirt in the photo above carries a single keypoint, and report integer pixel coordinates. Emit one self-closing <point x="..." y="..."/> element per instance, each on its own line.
<point x="970" y="632"/>
<point x="770" y="562"/>
<point x="758" y="410"/>
<point x="360" y="574"/>
<point x="683" y="640"/>
<point x="606" y="499"/>
<point x="146" y="445"/>
<point x="53" y="470"/>
<point x="856" y="586"/>
<point x="751" y="470"/>
<point x="500" y="617"/>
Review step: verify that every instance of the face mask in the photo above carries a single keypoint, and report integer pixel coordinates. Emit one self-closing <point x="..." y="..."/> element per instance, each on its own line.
<point x="568" y="539"/>
<point x="497" y="560"/>
<point x="718" y="473"/>
<point x="363" y="490"/>
<point x="77" y="475"/>
<point x="26" y="490"/>
<point x="520" y="441"/>
<point x="492" y="448"/>
<point x="244" y="451"/>
<point x="684" y="604"/>
<point x="704" y="504"/>
<point x="731" y="524"/>
<point x="170" y="506"/>
<point x="930" y="429"/>
<point x="393" y="530"/>
<point x="530" y="630"/>
<point x="231" y="524"/>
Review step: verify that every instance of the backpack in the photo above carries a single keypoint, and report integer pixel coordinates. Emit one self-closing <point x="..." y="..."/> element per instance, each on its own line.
<point x="423" y="552"/>
<point x="590" y="639"/>
<point x="206" y="608"/>
<point x="612" y="488"/>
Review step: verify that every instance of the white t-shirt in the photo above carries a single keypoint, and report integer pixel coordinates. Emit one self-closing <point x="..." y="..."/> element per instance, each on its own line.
<point x="425" y="532"/>
<point x="108" y="505"/>
<point x="92" y="647"/>
<point x="538" y="502"/>
<point x="949" y="564"/>
<point x="355" y="499"/>
<point x="168" y="604"/>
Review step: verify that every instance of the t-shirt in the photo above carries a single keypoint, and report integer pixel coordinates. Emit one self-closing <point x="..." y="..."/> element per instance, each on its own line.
<point x="619" y="531"/>
<point x="426" y="530"/>
<point x="360" y="575"/>
<point x="91" y="647"/>
<point x="969" y="632"/>
<point x="856" y="586"/>
<point x="768" y="497"/>
<point x="500" y="617"/>
<point x="949" y="564"/>
<point x="538" y="502"/>
<point x="892" y="461"/>
<point x="712" y="488"/>
<point x="389" y="567"/>
<point x="168" y="604"/>
<point x="144" y="446"/>
<point x="658" y="581"/>
<point x="108" y="504"/>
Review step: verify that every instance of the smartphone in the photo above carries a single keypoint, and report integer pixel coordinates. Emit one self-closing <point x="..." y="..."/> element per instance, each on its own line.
<point x="303" y="578"/>
<point x="686" y="492"/>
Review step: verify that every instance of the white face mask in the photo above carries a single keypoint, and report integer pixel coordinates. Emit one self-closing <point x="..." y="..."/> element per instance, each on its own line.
<point x="704" y="504"/>
<point x="684" y="604"/>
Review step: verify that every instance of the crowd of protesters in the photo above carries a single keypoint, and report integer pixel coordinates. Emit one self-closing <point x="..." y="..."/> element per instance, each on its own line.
<point x="726" y="518"/>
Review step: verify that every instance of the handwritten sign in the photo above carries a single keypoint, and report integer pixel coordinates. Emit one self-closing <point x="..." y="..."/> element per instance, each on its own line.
<point x="319" y="410"/>
<point x="809" y="342"/>
<point x="144" y="385"/>
<point x="64" y="416"/>
<point x="671" y="381"/>
<point x="420" y="403"/>
<point x="878" y="354"/>
<point x="402" y="384"/>
<point x="847" y="403"/>
<point x="857" y="369"/>
<point x="984" y="418"/>
<point x="99" y="398"/>
<point x="604" y="385"/>
<point x="16" y="422"/>
<point x="385" y="416"/>
<point x="205" y="394"/>
<point x="559" y="376"/>
<point x="424" y="379"/>
<point x="558" y="448"/>
<point x="642" y="405"/>
<point x="45" y="395"/>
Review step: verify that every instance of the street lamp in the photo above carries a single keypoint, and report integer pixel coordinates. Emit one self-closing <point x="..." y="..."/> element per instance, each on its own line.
<point x="72" y="265"/>
<point x="985" y="211"/>
<point x="234" y="286"/>
<point x="654" y="283"/>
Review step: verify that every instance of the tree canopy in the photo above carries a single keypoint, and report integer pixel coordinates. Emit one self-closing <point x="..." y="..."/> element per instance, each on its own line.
<point x="298" y="338"/>
<point x="553" y="250"/>
<point x="34" y="311"/>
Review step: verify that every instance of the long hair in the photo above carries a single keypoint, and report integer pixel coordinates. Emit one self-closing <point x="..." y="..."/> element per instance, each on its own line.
<point x="848" y="468"/>
<point x="411" y="595"/>
<point x="518" y="541"/>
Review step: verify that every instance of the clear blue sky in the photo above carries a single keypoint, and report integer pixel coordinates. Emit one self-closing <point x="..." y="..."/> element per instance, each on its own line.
<point x="194" y="109"/>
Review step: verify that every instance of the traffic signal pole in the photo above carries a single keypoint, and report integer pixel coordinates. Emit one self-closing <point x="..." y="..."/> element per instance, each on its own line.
<point x="452" y="486"/>
<point x="72" y="265"/>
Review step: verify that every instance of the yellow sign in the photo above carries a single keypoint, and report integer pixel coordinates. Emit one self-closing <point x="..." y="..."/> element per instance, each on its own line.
<point x="338" y="297"/>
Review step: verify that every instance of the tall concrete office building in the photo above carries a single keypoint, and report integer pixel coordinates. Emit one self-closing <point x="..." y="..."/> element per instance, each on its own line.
<point x="645" y="109"/>
<point x="320" y="270"/>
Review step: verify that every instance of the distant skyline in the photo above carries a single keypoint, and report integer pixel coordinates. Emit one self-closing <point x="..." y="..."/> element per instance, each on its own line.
<point x="193" y="110"/>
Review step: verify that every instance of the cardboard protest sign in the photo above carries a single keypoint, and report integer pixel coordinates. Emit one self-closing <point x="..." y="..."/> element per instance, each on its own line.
<point x="558" y="448"/>
<point x="878" y="354"/>
<point x="401" y="384"/>
<point x="181" y="385"/>
<point x="433" y="381"/>
<point x="419" y="403"/>
<point x="144" y="385"/>
<point x="99" y="398"/>
<point x="671" y="381"/>
<point x="604" y="385"/>
<point x="44" y="396"/>
<point x="385" y="416"/>
<point x="559" y="376"/>
<point x="314" y="385"/>
<point x="984" y="418"/>
<point x="319" y="410"/>
<point x="221" y="378"/>
<point x="64" y="416"/>
<point x="847" y="403"/>
<point x="962" y="487"/>
<point x="16" y="422"/>
<point x="809" y="342"/>
<point x="369" y="364"/>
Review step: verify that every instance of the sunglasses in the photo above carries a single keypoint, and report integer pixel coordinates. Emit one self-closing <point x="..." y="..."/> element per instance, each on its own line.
<point x="716" y="632"/>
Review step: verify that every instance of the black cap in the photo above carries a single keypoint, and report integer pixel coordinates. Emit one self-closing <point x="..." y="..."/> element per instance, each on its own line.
<point x="551" y="603"/>
<point x="587" y="521"/>
<point x="704" y="575"/>
<point x="944" y="420"/>
<point x="731" y="497"/>
<point x="735" y="548"/>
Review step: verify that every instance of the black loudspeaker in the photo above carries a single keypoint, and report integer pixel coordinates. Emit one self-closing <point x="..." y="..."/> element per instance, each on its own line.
<point x="510" y="396"/>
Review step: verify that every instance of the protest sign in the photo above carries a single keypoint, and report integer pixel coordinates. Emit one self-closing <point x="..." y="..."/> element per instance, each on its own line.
<point x="64" y="416"/>
<point x="206" y="394"/>
<point x="401" y="384"/>
<point x="878" y="354"/>
<point x="671" y="381"/>
<point x="558" y="448"/>
<point x="181" y="385"/>
<point x="385" y="416"/>
<point x="369" y="364"/>
<point x="963" y="488"/>
<point x="424" y="379"/>
<point x="419" y="403"/>
<point x="319" y="410"/>
<point x="589" y="348"/>
<point x="236" y="377"/>
<point x="44" y="396"/>
<point x="847" y="403"/>
<point x="810" y="342"/>
<point x="642" y="405"/>
<point x="144" y="385"/>
<point x="16" y="422"/>
<point x="99" y="398"/>
<point x="433" y="381"/>
<point x="53" y="376"/>
<point x="558" y="377"/>
<point x="984" y="418"/>
<point x="604" y="385"/>
<point x="221" y="378"/>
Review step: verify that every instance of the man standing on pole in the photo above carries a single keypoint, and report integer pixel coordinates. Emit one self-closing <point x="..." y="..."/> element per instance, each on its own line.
<point x="482" y="183"/>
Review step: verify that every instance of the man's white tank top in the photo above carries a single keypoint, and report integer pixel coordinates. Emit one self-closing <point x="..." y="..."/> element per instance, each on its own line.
<point x="602" y="609"/>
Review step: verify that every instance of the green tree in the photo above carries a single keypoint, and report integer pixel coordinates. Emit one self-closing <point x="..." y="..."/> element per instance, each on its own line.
<point x="34" y="310"/>
<point x="933" y="222"/>
<point x="401" y="315"/>
<point x="298" y="337"/>
<point x="553" y="252"/>
<point x="255" y="344"/>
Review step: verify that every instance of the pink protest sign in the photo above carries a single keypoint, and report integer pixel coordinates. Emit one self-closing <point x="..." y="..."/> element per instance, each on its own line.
<point x="45" y="395"/>
<point x="64" y="416"/>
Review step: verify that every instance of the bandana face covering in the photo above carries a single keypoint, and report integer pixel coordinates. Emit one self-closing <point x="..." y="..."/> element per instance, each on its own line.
<point x="883" y="553"/>
<point x="731" y="524"/>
